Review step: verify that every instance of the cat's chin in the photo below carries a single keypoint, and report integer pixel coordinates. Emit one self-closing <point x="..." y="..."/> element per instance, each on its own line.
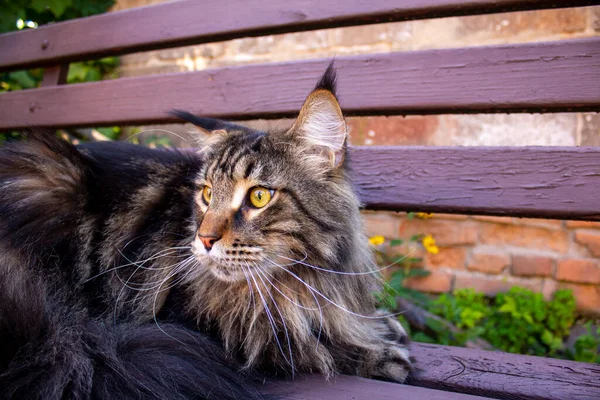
<point x="227" y="274"/>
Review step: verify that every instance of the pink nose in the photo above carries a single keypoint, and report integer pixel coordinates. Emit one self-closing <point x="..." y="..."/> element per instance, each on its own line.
<point x="209" y="241"/>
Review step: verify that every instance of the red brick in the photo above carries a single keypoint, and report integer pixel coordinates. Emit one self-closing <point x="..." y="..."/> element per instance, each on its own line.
<point x="490" y="262"/>
<point x="590" y="239"/>
<point x="454" y="217"/>
<point x="578" y="270"/>
<point x="542" y="223"/>
<point x="496" y="220"/>
<point x="549" y="286"/>
<point x="450" y="257"/>
<point x="436" y="282"/>
<point x="492" y="285"/>
<point x="445" y="233"/>
<point x="587" y="297"/>
<point x="524" y="236"/>
<point x="583" y="224"/>
<point x="529" y="265"/>
<point x="384" y="224"/>
<point x="413" y="130"/>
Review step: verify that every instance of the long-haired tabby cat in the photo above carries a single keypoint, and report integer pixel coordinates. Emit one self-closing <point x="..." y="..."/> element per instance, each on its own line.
<point x="127" y="272"/>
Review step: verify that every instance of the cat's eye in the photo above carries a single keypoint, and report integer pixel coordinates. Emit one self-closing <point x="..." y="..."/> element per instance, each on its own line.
<point x="207" y="194"/>
<point x="260" y="196"/>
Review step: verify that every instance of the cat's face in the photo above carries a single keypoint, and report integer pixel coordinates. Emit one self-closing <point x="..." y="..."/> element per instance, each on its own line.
<point x="266" y="201"/>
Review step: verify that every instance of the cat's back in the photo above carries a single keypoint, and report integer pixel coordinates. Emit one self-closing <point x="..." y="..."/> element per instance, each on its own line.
<point x="57" y="199"/>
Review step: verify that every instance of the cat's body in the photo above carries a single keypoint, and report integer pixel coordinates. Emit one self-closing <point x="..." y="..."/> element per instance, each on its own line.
<point x="116" y="258"/>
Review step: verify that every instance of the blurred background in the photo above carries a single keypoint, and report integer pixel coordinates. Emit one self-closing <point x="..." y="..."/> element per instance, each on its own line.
<point x="474" y="257"/>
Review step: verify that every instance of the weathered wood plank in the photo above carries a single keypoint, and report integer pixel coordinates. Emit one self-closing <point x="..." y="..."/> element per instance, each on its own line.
<point x="351" y="387"/>
<point x="191" y="22"/>
<point x="502" y="375"/>
<point x="536" y="77"/>
<point x="454" y="370"/>
<point x="545" y="182"/>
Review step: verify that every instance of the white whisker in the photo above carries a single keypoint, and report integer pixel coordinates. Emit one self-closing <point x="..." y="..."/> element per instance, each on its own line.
<point x="158" y="130"/>
<point x="269" y="317"/>
<point x="331" y="301"/>
<point x="285" y="329"/>
<point x="346" y="273"/>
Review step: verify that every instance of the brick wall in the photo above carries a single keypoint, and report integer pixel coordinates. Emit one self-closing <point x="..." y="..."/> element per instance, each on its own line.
<point x="487" y="253"/>
<point x="492" y="254"/>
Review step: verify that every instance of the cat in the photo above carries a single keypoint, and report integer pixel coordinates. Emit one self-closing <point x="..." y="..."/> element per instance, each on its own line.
<point x="127" y="272"/>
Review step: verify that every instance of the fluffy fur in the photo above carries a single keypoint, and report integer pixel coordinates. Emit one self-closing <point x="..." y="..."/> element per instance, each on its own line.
<point x="108" y="288"/>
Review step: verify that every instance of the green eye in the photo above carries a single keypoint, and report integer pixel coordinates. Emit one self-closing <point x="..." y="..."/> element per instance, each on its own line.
<point x="260" y="196"/>
<point x="207" y="194"/>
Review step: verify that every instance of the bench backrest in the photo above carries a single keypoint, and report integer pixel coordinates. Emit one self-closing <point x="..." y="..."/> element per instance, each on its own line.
<point x="546" y="182"/>
<point x="526" y="181"/>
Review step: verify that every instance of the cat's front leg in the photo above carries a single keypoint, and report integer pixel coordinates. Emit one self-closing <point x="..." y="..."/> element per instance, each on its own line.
<point x="378" y="352"/>
<point x="387" y="358"/>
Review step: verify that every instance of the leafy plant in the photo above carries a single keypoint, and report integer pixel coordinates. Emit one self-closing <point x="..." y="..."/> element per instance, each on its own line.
<point x="518" y="321"/>
<point x="525" y="323"/>
<point x="587" y="345"/>
<point x="29" y="14"/>
<point x="403" y="266"/>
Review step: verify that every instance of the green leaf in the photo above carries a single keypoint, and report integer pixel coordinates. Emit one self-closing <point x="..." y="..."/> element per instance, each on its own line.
<point x="24" y="79"/>
<point x="92" y="75"/>
<point x="92" y="7"/>
<point x="57" y="7"/>
<point x="418" y="272"/>
<point x="396" y="242"/>
<point x="77" y="72"/>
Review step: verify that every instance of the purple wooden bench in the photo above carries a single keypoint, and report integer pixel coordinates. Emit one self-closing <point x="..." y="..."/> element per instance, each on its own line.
<point x="548" y="182"/>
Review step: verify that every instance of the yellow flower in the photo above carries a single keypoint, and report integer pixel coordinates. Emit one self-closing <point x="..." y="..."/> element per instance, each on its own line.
<point x="429" y="244"/>
<point x="424" y="215"/>
<point x="377" y="240"/>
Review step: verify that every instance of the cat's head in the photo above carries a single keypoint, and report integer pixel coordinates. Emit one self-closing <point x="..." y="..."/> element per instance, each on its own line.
<point x="268" y="201"/>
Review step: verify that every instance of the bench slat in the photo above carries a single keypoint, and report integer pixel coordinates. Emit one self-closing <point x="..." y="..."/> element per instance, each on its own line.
<point x="344" y="387"/>
<point x="192" y="22"/>
<point x="554" y="76"/>
<point x="504" y="375"/>
<point x="461" y="374"/>
<point x="544" y="182"/>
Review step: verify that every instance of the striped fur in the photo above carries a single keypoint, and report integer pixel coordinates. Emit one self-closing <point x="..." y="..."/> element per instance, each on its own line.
<point x="103" y="241"/>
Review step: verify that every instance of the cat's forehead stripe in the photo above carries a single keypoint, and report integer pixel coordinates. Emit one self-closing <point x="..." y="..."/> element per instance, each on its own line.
<point x="239" y="194"/>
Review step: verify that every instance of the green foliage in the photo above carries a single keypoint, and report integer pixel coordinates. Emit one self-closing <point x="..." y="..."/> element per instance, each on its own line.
<point x="46" y="11"/>
<point x="406" y="267"/>
<point x="518" y="321"/>
<point x="587" y="345"/>
<point x="523" y="322"/>
<point x="27" y="14"/>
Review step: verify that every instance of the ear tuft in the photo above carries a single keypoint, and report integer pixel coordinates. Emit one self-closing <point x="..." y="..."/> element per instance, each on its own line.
<point x="207" y="125"/>
<point x="329" y="80"/>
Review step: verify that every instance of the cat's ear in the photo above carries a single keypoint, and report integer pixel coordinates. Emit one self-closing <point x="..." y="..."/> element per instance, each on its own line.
<point x="321" y="124"/>
<point x="206" y="125"/>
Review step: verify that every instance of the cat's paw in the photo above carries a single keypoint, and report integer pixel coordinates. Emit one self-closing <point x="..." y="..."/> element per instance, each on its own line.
<point x="389" y="358"/>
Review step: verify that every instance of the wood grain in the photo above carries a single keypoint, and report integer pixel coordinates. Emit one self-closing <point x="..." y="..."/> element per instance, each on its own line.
<point x="450" y="371"/>
<point x="503" y="375"/>
<point x="183" y="23"/>
<point x="540" y="77"/>
<point x="545" y="182"/>
<point x="351" y="387"/>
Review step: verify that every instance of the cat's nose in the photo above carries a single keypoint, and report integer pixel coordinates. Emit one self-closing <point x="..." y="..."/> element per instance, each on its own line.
<point x="209" y="241"/>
